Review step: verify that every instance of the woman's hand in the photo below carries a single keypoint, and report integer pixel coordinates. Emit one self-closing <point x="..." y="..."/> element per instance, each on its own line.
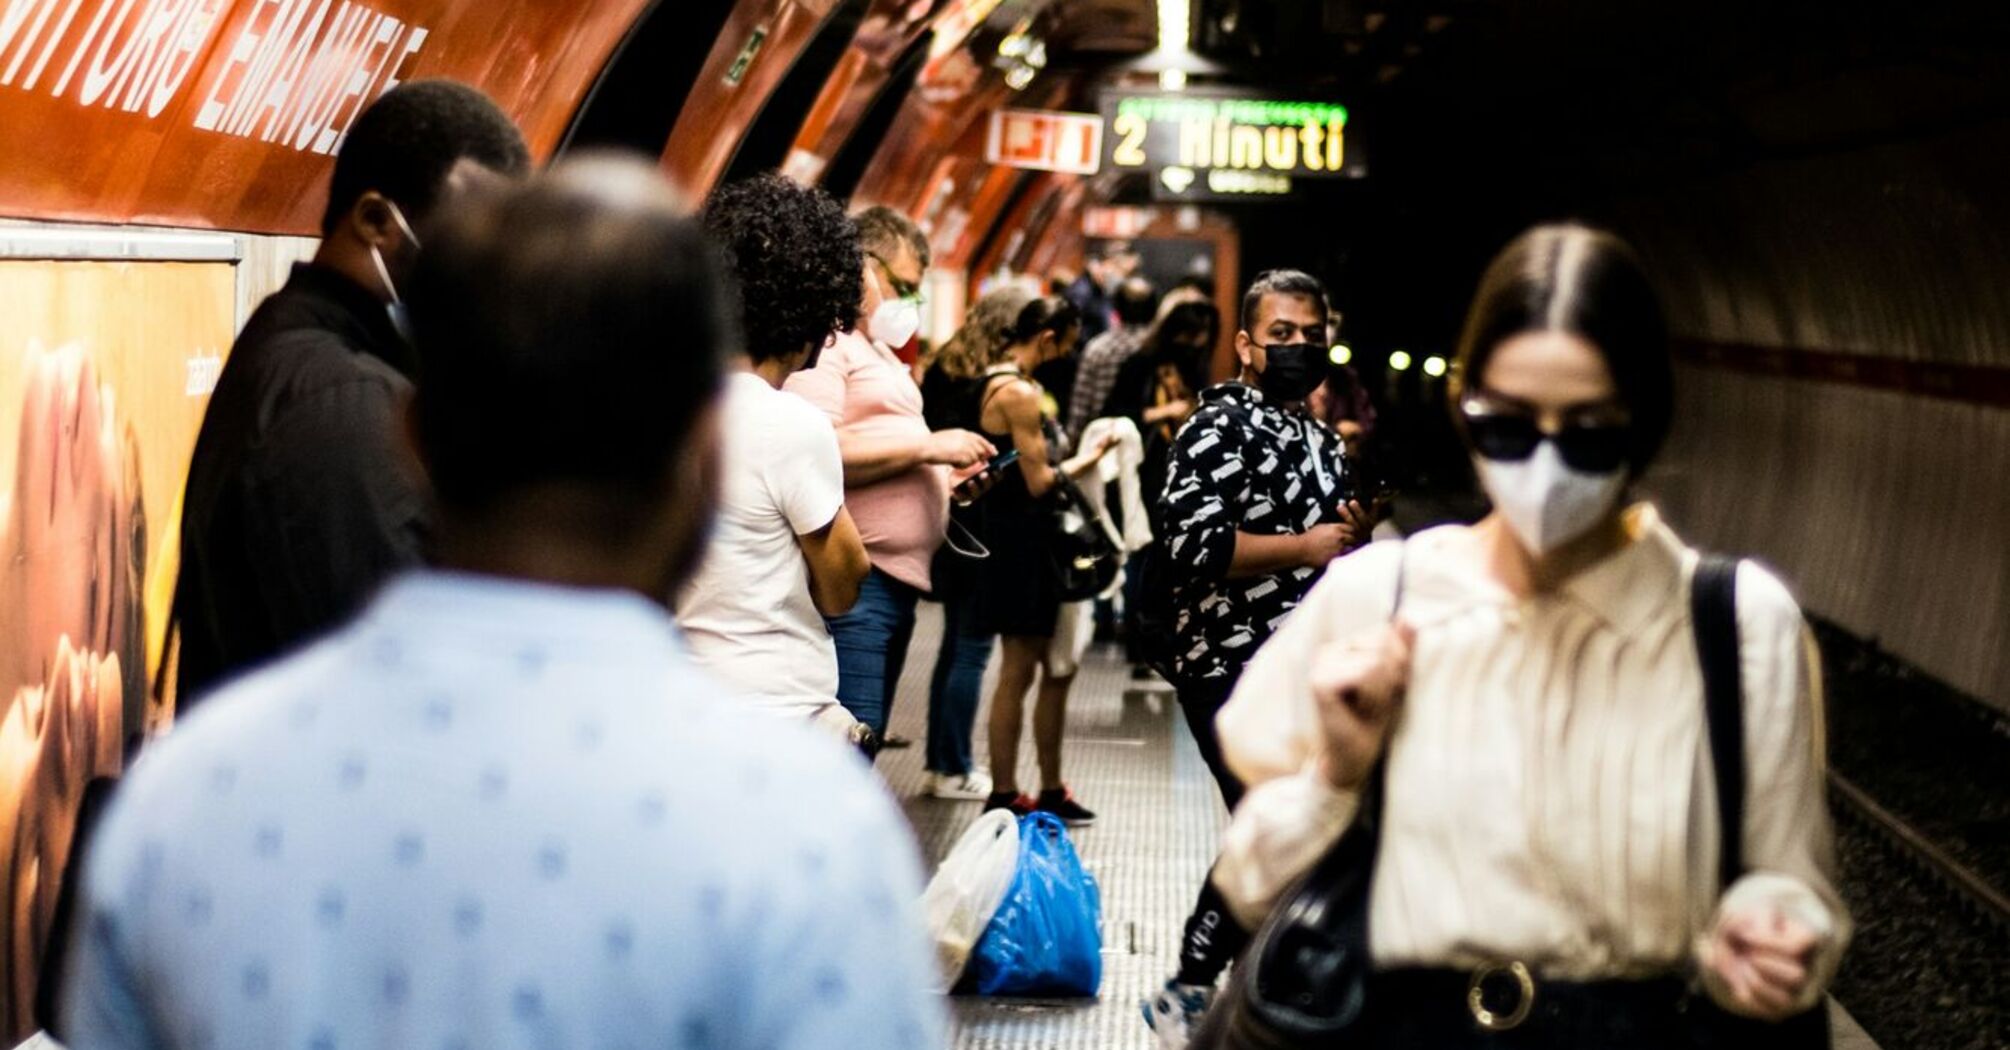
<point x="1762" y="960"/>
<point x="1356" y="687"/>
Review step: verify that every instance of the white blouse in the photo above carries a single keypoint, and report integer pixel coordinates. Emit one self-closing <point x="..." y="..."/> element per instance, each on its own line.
<point x="1550" y="797"/>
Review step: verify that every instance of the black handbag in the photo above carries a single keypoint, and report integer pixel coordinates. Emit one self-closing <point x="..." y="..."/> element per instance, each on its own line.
<point x="1303" y="980"/>
<point x="1084" y="557"/>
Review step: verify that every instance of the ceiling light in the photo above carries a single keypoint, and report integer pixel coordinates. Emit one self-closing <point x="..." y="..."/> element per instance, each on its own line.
<point x="1019" y="77"/>
<point x="1172" y="79"/>
<point x="1399" y="361"/>
<point x="1173" y="29"/>
<point x="1341" y="354"/>
<point x="1434" y="366"/>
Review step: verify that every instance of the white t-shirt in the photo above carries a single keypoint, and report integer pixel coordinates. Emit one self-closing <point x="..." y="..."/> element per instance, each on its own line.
<point x="747" y="614"/>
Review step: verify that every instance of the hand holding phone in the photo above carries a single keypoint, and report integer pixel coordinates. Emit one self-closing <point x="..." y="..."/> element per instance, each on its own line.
<point x="969" y="489"/>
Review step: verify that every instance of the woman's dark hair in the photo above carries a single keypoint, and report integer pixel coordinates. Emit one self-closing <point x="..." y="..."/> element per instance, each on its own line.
<point x="407" y="143"/>
<point x="1588" y="283"/>
<point x="797" y="260"/>
<point x="1183" y="321"/>
<point x="1049" y="313"/>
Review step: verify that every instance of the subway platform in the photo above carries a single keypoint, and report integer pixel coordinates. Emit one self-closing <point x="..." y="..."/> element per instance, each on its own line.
<point x="1130" y="758"/>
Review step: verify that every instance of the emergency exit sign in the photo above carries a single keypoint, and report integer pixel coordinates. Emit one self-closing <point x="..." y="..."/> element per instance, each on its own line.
<point x="1044" y="140"/>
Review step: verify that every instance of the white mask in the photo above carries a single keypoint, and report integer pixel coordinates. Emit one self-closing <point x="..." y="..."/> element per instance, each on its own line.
<point x="1545" y="502"/>
<point x="895" y="322"/>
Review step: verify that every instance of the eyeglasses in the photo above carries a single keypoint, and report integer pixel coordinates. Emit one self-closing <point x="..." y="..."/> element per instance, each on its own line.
<point x="1510" y="434"/>
<point x="901" y="289"/>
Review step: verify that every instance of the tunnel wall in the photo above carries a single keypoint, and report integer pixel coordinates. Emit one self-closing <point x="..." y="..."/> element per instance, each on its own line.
<point x="1882" y="505"/>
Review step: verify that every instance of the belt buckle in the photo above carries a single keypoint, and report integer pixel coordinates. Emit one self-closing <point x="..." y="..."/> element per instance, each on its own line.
<point x="1476" y="997"/>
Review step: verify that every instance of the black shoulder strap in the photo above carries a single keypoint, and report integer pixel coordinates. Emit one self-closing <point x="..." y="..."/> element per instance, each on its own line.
<point x="1713" y="610"/>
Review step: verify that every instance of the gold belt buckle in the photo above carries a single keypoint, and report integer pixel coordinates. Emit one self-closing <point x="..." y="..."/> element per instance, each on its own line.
<point x="1476" y="997"/>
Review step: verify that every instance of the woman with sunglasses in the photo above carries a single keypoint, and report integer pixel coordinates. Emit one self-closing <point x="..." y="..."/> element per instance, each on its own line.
<point x="1530" y="693"/>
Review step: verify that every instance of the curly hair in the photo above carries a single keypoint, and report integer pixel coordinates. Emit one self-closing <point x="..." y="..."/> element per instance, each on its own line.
<point x="797" y="260"/>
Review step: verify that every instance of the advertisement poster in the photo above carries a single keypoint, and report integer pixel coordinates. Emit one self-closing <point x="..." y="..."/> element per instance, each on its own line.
<point x="99" y="410"/>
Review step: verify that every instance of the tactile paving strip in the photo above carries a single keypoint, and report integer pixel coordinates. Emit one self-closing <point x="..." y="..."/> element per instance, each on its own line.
<point x="1129" y="757"/>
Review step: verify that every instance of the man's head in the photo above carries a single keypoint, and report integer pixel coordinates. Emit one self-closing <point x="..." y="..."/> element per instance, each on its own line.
<point x="1136" y="302"/>
<point x="572" y="331"/>
<point x="896" y="257"/>
<point x="895" y="248"/>
<point x="797" y="262"/>
<point x="1283" y="313"/>
<point x="1109" y="262"/>
<point x="413" y="149"/>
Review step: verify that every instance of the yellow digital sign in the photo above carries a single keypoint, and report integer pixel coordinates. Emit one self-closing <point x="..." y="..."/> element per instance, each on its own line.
<point x="1197" y="145"/>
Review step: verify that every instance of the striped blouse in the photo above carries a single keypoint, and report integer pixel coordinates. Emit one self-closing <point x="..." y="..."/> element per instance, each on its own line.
<point x="1550" y="798"/>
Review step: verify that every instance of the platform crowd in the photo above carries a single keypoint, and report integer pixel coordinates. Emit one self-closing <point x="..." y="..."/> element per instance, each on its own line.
<point x="552" y="550"/>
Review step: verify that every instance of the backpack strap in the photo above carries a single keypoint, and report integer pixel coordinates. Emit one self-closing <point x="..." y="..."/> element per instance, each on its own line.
<point x="1713" y="598"/>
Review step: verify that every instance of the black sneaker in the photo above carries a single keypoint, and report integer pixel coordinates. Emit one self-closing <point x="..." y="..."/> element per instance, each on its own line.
<point x="1061" y="803"/>
<point x="1019" y="804"/>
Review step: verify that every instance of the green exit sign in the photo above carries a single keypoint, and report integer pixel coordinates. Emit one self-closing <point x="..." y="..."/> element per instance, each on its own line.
<point x="745" y="59"/>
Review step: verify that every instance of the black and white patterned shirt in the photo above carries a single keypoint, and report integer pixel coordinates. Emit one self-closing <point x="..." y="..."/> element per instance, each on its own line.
<point x="1242" y="464"/>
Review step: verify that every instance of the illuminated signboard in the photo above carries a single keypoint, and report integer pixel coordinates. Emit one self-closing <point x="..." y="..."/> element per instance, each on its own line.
<point x="1045" y="141"/>
<point x="1220" y="146"/>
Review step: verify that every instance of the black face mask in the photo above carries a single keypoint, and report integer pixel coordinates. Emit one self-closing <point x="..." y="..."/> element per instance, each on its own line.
<point x="1291" y="372"/>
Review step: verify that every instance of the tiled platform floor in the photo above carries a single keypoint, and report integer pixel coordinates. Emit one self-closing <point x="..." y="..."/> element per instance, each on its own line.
<point x="1130" y="758"/>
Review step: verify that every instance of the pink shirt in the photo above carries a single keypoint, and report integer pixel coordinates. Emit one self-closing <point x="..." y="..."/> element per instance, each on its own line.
<point x="868" y="393"/>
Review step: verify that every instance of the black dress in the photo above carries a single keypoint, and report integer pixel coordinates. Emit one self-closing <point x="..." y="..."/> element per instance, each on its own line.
<point x="1018" y="594"/>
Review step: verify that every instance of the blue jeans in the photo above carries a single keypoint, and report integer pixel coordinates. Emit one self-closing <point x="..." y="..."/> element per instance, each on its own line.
<point x="871" y="644"/>
<point x="953" y="691"/>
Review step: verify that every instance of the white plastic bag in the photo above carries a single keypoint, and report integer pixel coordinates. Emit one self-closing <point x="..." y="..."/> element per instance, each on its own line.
<point x="968" y="888"/>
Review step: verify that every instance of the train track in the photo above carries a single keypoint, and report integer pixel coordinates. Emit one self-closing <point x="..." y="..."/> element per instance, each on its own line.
<point x="1980" y="899"/>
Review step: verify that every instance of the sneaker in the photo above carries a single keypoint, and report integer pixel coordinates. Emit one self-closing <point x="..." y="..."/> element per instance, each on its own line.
<point x="1175" y="1013"/>
<point x="1019" y="804"/>
<point x="974" y="786"/>
<point x="1061" y="803"/>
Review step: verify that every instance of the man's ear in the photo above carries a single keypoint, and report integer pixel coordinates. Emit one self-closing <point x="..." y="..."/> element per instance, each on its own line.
<point x="1244" y="348"/>
<point x="371" y="221"/>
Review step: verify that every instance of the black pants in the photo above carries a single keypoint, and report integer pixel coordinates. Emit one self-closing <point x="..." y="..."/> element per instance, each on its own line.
<point x="1200" y="702"/>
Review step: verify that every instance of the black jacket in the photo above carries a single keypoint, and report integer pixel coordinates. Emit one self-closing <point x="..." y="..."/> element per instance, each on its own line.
<point x="302" y="497"/>
<point x="1242" y="464"/>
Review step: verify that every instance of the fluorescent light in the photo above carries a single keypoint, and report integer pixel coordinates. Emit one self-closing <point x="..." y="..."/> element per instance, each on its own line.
<point x="1172" y="79"/>
<point x="1341" y="354"/>
<point x="1434" y="366"/>
<point x="1399" y="361"/>
<point x="1173" y="29"/>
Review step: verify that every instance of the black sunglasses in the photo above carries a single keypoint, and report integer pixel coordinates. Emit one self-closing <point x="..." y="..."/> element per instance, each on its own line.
<point x="1508" y="435"/>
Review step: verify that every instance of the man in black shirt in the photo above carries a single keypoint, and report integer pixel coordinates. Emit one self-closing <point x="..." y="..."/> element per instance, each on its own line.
<point x="1258" y="499"/>
<point x="302" y="497"/>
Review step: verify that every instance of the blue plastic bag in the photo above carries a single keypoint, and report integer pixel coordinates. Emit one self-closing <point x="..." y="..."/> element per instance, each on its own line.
<point x="1046" y="939"/>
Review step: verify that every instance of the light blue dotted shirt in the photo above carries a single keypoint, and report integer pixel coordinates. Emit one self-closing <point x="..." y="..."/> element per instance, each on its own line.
<point x="498" y="814"/>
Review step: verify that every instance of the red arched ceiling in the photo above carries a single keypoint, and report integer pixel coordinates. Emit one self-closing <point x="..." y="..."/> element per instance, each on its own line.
<point x="225" y="114"/>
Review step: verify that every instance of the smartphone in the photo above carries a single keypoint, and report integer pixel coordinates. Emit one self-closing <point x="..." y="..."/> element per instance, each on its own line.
<point x="967" y="490"/>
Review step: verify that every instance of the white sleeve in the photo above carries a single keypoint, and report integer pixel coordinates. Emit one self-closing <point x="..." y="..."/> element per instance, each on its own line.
<point x="1789" y="846"/>
<point x="1270" y="738"/>
<point x="1268" y="728"/>
<point x="804" y="470"/>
